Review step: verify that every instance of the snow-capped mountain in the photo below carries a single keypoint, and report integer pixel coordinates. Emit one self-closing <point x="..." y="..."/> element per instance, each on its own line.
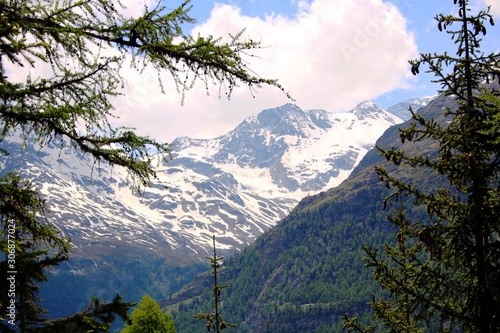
<point x="235" y="186"/>
<point x="402" y="111"/>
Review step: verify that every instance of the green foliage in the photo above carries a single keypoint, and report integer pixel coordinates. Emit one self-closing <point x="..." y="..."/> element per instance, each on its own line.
<point x="444" y="269"/>
<point x="148" y="317"/>
<point x="214" y="319"/>
<point x="31" y="245"/>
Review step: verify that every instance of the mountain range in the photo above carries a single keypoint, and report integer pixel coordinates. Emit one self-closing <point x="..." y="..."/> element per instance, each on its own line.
<point x="236" y="186"/>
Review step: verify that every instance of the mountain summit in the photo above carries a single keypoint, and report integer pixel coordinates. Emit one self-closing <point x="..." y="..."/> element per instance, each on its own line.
<point x="402" y="110"/>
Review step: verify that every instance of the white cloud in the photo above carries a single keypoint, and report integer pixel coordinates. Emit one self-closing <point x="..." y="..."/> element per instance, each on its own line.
<point x="331" y="55"/>
<point x="134" y="8"/>
<point x="477" y="5"/>
<point x="495" y="8"/>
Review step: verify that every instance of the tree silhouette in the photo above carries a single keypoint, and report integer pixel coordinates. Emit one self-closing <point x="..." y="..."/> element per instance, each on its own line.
<point x="214" y="319"/>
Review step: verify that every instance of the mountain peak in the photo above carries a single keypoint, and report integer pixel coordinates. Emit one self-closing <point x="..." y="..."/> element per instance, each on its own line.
<point x="366" y="104"/>
<point x="402" y="109"/>
<point x="368" y="109"/>
<point x="287" y="119"/>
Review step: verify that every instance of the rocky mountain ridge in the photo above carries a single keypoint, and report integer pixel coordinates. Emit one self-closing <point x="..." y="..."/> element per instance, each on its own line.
<point x="235" y="186"/>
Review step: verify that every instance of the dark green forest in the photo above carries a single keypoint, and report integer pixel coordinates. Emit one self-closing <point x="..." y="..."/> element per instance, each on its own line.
<point x="304" y="273"/>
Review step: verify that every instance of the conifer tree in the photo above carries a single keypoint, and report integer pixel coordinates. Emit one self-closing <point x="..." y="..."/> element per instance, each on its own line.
<point x="444" y="271"/>
<point x="148" y="317"/>
<point x="214" y="319"/>
<point x="32" y="246"/>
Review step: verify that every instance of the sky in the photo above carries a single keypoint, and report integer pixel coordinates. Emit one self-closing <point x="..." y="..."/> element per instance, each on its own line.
<point x="328" y="54"/>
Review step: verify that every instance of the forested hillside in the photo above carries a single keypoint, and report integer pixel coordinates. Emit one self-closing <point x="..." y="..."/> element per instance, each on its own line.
<point x="302" y="275"/>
